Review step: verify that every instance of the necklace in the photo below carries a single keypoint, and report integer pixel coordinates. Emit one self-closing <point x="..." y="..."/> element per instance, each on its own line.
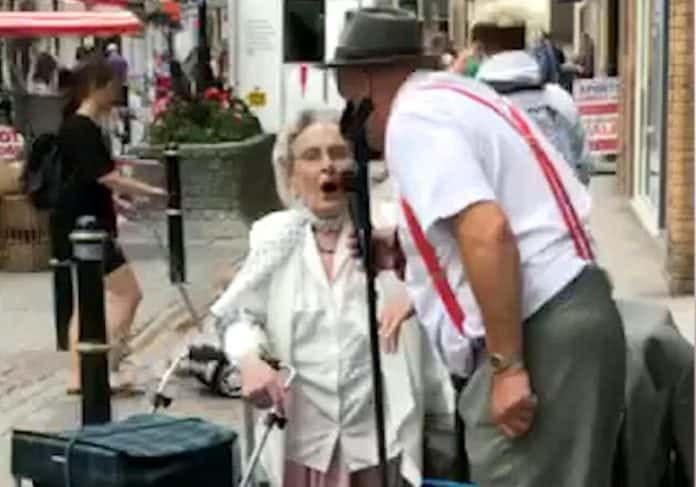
<point x="322" y="250"/>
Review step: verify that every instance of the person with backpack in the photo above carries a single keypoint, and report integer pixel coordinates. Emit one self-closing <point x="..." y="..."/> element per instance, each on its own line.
<point x="87" y="184"/>
<point x="517" y="75"/>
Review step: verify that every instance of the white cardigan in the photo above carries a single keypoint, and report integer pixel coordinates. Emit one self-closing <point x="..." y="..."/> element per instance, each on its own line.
<point x="416" y="382"/>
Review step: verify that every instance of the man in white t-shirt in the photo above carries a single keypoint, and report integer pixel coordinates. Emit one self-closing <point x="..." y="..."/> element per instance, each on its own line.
<point x="500" y="263"/>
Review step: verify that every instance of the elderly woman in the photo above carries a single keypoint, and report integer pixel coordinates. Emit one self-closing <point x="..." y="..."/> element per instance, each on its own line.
<point x="300" y="297"/>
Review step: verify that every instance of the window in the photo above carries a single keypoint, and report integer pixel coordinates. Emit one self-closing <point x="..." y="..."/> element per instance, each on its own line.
<point x="304" y="31"/>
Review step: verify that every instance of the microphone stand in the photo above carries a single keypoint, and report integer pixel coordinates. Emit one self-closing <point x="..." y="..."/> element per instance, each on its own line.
<point x="357" y="184"/>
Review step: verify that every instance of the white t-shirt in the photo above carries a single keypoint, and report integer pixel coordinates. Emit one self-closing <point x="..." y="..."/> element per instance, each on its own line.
<point x="447" y="152"/>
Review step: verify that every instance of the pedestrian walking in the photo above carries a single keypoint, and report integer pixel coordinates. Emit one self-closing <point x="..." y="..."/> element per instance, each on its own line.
<point x="42" y="79"/>
<point x="90" y="180"/>
<point x="496" y="239"/>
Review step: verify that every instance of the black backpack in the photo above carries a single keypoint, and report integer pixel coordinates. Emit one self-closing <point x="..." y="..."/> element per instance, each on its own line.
<point x="42" y="178"/>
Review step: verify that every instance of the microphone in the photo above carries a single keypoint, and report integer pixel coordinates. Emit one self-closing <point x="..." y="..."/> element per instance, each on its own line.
<point x="355" y="182"/>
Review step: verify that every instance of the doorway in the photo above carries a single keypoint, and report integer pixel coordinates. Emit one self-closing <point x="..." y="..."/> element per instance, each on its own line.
<point x="652" y="85"/>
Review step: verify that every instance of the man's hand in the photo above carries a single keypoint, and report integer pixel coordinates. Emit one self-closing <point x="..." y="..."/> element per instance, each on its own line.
<point x="394" y="315"/>
<point x="512" y="402"/>
<point x="262" y="385"/>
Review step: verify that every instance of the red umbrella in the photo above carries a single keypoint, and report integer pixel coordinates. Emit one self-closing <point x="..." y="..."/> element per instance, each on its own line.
<point x="36" y="24"/>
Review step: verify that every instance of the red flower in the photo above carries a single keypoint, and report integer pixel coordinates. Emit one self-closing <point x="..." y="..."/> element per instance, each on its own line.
<point x="212" y="94"/>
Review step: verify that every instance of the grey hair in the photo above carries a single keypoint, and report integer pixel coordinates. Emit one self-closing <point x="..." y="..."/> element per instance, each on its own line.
<point x="282" y="151"/>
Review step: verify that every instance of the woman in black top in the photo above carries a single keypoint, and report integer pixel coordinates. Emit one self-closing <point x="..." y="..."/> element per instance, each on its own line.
<point x="91" y="179"/>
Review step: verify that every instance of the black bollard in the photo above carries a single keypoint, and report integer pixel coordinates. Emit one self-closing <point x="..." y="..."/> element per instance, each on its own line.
<point x="175" y="222"/>
<point x="88" y="249"/>
<point x="62" y="301"/>
<point x="62" y="289"/>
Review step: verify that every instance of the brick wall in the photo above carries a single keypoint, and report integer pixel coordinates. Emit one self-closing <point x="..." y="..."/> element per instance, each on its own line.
<point x="680" y="162"/>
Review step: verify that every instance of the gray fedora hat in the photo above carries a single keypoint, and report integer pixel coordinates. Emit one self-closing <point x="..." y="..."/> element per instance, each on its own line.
<point x="378" y="35"/>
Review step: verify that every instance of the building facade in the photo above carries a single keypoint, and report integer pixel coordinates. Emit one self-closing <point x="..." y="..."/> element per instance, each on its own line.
<point x="656" y="166"/>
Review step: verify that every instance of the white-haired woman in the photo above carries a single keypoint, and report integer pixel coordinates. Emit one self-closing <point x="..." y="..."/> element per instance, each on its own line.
<point x="300" y="297"/>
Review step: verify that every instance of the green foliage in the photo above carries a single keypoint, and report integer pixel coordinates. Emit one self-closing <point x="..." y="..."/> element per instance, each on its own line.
<point x="204" y="121"/>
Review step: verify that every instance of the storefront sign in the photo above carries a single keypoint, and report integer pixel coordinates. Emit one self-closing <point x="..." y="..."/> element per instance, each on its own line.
<point x="257" y="98"/>
<point x="598" y="102"/>
<point x="11" y="143"/>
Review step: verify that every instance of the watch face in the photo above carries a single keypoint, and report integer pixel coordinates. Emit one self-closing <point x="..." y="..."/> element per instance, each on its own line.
<point x="496" y="361"/>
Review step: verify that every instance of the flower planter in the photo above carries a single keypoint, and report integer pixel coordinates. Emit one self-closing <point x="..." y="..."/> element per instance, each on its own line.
<point x="220" y="181"/>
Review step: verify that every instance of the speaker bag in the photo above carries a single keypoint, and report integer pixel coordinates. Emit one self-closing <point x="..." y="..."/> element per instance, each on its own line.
<point x="142" y="451"/>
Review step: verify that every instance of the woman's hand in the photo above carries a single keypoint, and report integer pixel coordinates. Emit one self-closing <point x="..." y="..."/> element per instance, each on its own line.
<point x="513" y="404"/>
<point x="386" y="249"/>
<point x="157" y="192"/>
<point x="124" y="207"/>
<point x="394" y="315"/>
<point x="262" y="385"/>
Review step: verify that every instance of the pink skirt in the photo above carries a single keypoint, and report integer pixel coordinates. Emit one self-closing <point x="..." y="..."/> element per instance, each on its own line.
<point x="338" y="475"/>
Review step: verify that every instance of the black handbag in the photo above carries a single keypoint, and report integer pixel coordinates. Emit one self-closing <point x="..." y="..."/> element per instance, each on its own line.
<point x="142" y="451"/>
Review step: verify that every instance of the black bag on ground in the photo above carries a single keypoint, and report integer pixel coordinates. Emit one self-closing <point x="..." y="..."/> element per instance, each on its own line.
<point x="42" y="178"/>
<point x="145" y="450"/>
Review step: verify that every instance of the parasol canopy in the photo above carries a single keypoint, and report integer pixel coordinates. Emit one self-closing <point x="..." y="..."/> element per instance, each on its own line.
<point x="36" y="24"/>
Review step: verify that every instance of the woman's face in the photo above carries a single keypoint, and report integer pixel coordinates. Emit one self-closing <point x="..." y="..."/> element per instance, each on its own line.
<point x="320" y="155"/>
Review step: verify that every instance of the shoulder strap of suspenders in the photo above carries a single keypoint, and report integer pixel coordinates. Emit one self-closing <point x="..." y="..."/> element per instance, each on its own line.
<point x="515" y="118"/>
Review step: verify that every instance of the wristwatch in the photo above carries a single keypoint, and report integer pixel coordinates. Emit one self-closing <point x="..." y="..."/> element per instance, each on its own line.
<point x="500" y="363"/>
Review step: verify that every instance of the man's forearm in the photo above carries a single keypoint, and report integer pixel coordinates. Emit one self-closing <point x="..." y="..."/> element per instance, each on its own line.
<point x="491" y="258"/>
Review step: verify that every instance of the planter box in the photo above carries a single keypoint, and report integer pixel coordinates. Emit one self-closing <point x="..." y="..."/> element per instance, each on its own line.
<point x="219" y="181"/>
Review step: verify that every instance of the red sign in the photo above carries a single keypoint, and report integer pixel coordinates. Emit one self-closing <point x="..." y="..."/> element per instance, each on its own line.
<point x="11" y="144"/>
<point x="598" y="104"/>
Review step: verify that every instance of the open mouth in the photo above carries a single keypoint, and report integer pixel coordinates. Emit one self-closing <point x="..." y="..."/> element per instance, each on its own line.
<point x="329" y="187"/>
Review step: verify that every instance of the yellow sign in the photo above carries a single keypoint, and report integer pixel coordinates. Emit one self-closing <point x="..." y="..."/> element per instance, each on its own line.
<point x="257" y="98"/>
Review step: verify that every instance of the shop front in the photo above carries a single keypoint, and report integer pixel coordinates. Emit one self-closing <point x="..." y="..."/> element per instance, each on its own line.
<point x="650" y="129"/>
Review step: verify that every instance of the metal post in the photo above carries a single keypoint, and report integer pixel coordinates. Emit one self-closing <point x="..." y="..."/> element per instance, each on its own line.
<point x="88" y="248"/>
<point x="203" y="74"/>
<point x="175" y="223"/>
<point x="62" y="301"/>
<point x="353" y="127"/>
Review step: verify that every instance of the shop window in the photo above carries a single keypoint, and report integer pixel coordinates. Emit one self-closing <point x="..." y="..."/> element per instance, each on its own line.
<point x="304" y="31"/>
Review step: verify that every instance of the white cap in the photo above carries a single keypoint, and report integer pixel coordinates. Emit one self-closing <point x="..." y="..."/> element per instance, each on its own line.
<point x="509" y="13"/>
<point x="111" y="47"/>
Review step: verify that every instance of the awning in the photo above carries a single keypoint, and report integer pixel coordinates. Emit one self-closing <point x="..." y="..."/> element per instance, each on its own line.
<point x="36" y="24"/>
<point x="118" y="3"/>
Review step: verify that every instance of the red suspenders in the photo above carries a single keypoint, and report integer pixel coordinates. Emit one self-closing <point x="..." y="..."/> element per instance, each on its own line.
<point x="570" y="216"/>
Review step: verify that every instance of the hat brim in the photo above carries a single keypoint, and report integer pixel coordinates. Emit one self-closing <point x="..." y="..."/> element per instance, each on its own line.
<point x="376" y="61"/>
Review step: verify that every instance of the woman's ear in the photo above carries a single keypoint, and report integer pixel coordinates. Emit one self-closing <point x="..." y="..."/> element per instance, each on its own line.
<point x="293" y="185"/>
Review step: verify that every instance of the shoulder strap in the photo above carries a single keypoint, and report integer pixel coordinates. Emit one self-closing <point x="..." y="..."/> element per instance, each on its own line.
<point x="435" y="271"/>
<point x="515" y="118"/>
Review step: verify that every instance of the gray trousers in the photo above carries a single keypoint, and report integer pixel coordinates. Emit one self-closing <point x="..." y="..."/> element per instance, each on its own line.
<point x="574" y="349"/>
